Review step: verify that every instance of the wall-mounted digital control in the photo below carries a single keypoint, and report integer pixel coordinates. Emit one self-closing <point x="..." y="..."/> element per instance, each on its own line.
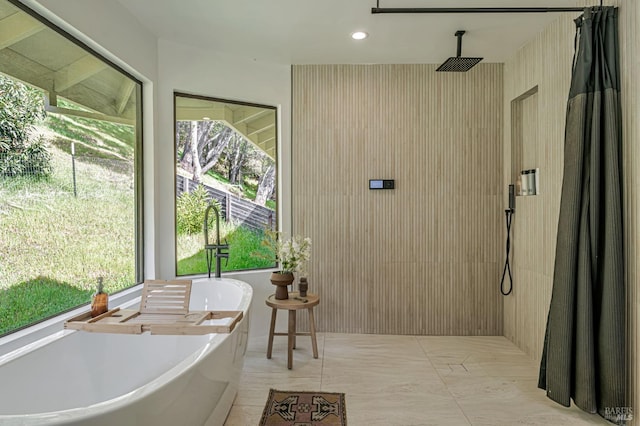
<point x="382" y="184"/>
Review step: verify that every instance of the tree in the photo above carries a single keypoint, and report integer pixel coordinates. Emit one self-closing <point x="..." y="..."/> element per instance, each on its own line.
<point x="266" y="184"/>
<point x="236" y="159"/>
<point x="195" y="153"/>
<point x="200" y="145"/>
<point x="203" y="145"/>
<point x="221" y="137"/>
<point x="20" y="108"/>
<point x="183" y="145"/>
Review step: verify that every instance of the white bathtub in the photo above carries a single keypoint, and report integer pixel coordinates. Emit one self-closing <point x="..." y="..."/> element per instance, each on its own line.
<point x="81" y="378"/>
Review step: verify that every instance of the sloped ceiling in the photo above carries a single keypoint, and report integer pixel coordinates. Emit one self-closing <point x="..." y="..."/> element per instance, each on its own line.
<point x="34" y="53"/>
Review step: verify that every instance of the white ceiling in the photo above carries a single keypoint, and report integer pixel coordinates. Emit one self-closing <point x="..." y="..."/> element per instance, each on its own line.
<point x="318" y="32"/>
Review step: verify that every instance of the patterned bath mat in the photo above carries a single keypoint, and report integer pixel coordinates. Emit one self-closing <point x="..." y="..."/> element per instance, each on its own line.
<point x="294" y="408"/>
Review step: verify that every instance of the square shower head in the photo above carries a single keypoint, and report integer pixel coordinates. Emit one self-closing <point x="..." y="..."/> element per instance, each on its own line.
<point x="458" y="64"/>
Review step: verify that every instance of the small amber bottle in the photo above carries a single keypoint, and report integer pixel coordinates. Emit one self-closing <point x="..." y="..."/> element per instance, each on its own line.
<point x="100" y="301"/>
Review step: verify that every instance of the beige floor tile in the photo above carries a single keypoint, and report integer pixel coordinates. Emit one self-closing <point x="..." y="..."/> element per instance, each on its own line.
<point x="403" y="409"/>
<point x="304" y="365"/>
<point x="243" y="415"/>
<point x="526" y="415"/>
<point x="254" y="387"/>
<point x="407" y="380"/>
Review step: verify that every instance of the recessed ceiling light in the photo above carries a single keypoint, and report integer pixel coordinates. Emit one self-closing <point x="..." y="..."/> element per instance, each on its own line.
<point x="206" y="118"/>
<point x="359" y="35"/>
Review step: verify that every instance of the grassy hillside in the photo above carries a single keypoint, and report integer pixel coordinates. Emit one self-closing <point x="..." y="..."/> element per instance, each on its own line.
<point x="54" y="246"/>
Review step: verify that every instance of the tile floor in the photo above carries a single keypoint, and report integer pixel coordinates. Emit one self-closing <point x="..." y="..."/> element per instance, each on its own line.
<point x="407" y="380"/>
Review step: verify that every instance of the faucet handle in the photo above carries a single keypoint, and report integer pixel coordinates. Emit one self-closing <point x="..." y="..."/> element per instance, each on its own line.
<point x="223" y="251"/>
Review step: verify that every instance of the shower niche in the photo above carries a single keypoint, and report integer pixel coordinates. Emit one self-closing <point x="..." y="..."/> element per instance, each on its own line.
<point x="525" y="149"/>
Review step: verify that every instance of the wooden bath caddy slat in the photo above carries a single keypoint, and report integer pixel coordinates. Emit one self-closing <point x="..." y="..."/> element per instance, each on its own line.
<point x="113" y="321"/>
<point x="160" y="296"/>
<point x="128" y="321"/>
<point x="164" y="309"/>
<point x="196" y="327"/>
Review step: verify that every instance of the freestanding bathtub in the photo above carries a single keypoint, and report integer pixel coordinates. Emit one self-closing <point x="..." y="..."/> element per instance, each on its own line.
<point x="82" y="378"/>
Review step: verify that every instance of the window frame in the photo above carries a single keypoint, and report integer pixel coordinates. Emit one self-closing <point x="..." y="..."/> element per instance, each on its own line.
<point x="177" y="94"/>
<point x="138" y="160"/>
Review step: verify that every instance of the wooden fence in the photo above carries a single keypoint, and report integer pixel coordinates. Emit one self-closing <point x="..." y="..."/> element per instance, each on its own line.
<point x="234" y="209"/>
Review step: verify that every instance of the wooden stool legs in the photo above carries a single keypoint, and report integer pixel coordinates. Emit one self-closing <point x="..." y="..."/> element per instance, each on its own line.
<point x="292" y="338"/>
<point x="274" y="311"/>
<point x="312" y="328"/>
<point x="291" y="335"/>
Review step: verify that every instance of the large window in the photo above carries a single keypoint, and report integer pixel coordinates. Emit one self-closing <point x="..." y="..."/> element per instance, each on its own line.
<point x="225" y="157"/>
<point x="70" y="187"/>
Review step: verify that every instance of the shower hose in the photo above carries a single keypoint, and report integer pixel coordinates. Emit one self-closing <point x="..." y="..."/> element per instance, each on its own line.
<point x="507" y="267"/>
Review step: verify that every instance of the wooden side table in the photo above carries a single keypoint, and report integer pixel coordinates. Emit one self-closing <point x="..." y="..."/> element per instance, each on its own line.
<point x="293" y="305"/>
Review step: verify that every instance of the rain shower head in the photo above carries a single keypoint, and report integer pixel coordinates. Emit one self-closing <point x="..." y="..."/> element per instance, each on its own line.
<point x="458" y="63"/>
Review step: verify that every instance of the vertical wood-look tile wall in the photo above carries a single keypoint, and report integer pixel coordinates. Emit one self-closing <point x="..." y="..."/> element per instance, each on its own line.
<point x="546" y="62"/>
<point x="426" y="257"/>
<point x="629" y="19"/>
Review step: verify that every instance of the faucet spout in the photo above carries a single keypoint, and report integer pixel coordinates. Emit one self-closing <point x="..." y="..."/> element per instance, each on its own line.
<point x="215" y="249"/>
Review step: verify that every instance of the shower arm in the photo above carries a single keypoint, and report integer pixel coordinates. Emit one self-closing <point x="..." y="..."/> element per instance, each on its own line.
<point x="459" y="35"/>
<point x="378" y="9"/>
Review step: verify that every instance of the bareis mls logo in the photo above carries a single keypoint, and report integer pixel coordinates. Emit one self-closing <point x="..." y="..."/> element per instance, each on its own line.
<point x="616" y="414"/>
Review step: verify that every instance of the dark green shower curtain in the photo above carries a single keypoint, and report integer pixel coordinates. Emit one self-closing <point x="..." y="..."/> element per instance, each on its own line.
<point x="584" y="349"/>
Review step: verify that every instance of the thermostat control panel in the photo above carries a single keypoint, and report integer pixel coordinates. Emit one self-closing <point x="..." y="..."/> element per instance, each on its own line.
<point x="382" y="184"/>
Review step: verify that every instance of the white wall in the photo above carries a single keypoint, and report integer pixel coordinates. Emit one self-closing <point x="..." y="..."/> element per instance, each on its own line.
<point x="193" y="70"/>
<point x="198" y="71"/>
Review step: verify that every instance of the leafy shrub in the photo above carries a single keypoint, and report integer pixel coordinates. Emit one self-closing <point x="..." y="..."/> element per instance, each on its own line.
<point x="190" y="209"/>
<point x="20" y="108"/>
<point x="34" y="160"/>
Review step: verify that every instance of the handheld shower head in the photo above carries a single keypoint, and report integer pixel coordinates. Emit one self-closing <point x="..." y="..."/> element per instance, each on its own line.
<point x="458" y="63"/>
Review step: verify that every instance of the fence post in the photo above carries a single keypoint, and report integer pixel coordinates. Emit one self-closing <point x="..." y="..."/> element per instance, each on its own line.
<point x="73" y="167"/>
<point x="227" y="199"/>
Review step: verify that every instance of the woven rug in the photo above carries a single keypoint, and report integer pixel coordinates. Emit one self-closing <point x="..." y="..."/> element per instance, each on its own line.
<point x="294" y="408"/>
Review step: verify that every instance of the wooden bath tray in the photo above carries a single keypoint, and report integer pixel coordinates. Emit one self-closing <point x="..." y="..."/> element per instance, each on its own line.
<point x="164" y="309"/>
<point x="129" y="321"/>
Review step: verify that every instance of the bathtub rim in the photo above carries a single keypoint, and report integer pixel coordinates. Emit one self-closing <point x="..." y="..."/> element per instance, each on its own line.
<point x="126" y="298"/>
<point x="125" y="303"/>
<point x="102" y="407"/>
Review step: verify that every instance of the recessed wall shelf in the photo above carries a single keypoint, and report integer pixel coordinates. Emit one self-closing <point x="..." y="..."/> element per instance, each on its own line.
<point x="524" y="143"/>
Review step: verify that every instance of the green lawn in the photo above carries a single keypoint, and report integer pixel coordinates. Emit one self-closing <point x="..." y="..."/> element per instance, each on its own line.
<point x="245" y="251"/>
<point x="54" y="246"/>
<point x="38" y="298"/>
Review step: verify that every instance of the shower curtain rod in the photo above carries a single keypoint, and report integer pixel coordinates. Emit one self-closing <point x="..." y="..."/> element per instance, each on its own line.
<point x="378" y="9"/>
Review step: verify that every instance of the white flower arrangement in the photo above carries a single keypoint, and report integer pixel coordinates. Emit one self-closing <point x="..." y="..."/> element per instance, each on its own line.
<point x="292" y="253"/>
